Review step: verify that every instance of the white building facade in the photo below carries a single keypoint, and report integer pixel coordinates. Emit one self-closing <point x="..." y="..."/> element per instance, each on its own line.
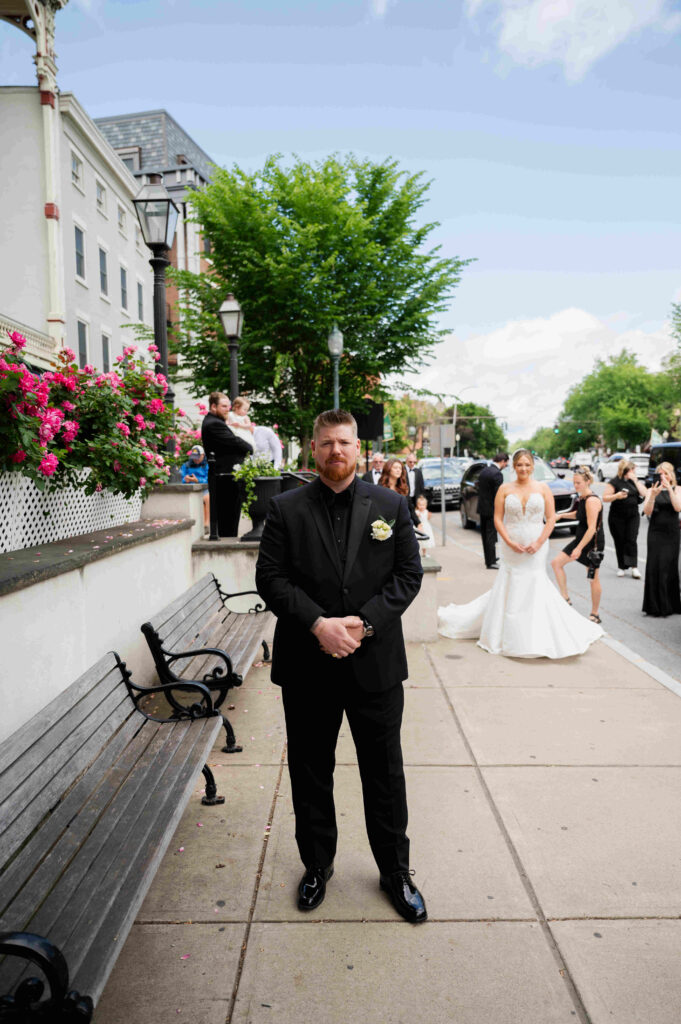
<point x="75" y="267"/>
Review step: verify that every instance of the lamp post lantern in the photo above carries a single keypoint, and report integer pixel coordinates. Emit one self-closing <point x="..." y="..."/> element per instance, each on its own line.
<point x="157" y="215"/>
<point x="232" y="317"/>
<point x="335" y="343"/>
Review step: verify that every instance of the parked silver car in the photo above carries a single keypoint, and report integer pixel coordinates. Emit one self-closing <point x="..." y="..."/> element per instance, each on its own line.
<point x="607" y="469"/>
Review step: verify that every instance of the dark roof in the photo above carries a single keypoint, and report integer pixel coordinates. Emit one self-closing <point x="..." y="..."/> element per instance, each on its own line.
<point x="160" y="138"/>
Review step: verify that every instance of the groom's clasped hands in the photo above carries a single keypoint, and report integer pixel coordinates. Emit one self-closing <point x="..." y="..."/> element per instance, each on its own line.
<point x="339" y="637"/>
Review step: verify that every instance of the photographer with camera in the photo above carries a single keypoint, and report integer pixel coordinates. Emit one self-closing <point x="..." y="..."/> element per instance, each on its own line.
<point x="662" y="506"/>
<point x="588" y="546"/>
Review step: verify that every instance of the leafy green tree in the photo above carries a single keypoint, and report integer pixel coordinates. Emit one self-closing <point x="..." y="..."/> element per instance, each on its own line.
<point x="544" y="442"/>
<point x="478" y="429"/>
<point x="408" y="417"/>
<point x="302" y="248"/>
<point x="618" y="401"/>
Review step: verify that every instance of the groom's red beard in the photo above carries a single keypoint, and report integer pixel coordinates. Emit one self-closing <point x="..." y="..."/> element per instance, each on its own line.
<point x="337" y="470"/>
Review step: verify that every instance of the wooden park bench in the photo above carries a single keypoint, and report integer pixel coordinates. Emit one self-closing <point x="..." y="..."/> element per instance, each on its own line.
<point x="215" y="644"/>
<point x="92" y="789"/>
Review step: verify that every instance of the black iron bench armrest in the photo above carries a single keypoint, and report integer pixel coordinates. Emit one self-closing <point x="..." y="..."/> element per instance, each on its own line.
<point x="62" y="1006"/>
<point x="216" y="673"/>
<point x="203" y="709"/>
<point x="242" y="593"/>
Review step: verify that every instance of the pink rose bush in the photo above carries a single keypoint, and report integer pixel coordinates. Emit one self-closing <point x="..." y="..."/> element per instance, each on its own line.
<point x="55" y="424"/>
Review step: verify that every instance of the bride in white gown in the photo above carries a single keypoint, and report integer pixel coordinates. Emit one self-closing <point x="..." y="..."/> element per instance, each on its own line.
<point x="523" y="615"/>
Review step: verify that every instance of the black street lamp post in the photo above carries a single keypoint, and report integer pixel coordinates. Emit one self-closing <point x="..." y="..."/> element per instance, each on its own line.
<point x="157" y="214"/>
<point x="232" y="318"/>
<point x="335" y="343"/>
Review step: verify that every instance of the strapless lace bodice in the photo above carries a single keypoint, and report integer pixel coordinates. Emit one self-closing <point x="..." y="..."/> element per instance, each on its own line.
<point x="516" y="515"/>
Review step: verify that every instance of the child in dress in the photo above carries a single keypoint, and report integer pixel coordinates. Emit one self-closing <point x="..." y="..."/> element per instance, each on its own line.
<point x="423" y="513"/>
<point x="239" y="421"/>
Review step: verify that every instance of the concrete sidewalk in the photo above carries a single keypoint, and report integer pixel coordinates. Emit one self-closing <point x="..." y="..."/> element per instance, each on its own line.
<point x="545" y="824"/>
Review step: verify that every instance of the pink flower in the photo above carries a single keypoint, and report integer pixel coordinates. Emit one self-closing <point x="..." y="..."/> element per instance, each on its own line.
<point x="130" y="350"/>
<point x="157" y="357"/>
<point x="48" y="464"/>
<point x="159" y="460"/>
<point x="88" y="368"/>
<point x="143" y="481"/>
<point x="119" y="359"/>
<point x="18" y="340"/>
<point x="202" y="408"/>
<point x="156" y="406"/>
<point x="117" y="466"/>
<point x="69" y="430"/>
<point x="139" y="420"/>
<point x="148" y="456"/>
<point x="69" y="355"/>
<point x="98" y="488"/>
<point x="18" y="456"/>
<point x="124" y="428"/>
<point x="180" y="413"/>
<point x="143" y="442"/>
<point x="69" y="406"/>
<point x="152" y="347"/>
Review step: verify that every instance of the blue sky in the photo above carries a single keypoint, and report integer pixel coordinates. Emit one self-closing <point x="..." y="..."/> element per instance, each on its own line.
<point x="548" y="127"/>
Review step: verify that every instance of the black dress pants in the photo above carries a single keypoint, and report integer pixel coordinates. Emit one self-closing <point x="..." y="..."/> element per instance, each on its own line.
<point x="489" y="539"/>
<point x="624" y="530"/>
<point x="229" y="504"/>
<point x="314" y="711"/>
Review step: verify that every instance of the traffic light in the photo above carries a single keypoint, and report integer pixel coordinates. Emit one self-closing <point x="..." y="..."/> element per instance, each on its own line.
<point x="579" y="430"/>
<point x="556" y="430"/>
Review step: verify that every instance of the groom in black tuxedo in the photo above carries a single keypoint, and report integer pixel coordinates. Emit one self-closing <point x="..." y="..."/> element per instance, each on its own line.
<point x="489" y="482"/>
<point x="338" y="565"/>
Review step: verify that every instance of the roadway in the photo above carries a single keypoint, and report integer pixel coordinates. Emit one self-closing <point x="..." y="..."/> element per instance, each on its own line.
<point x="656" y="640"/>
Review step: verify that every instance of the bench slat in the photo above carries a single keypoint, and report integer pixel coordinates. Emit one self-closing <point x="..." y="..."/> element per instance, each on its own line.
<point x="39" y="847"/>
<point x="90" y="973"/>
<point x="172" y="632"/>
<point x="206" y="587"/>
<point x="23" y="739"/>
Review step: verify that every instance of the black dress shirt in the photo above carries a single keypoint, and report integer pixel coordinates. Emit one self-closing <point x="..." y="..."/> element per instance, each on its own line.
<point x="339" y="507"/>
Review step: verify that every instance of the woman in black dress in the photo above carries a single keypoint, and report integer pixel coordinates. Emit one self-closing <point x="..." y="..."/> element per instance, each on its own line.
<point x="624" y="494"/>
<point x="589" y="537"/>
<point x="662" y="505"/>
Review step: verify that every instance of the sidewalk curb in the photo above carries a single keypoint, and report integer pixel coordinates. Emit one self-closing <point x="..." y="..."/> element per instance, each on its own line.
<point x="645" y="666"/>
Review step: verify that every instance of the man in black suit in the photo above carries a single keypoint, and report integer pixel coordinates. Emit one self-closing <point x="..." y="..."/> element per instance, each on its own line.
<point x="414" y="477"/>
<point x="229" y="450"/>
<point x="373" y="474"/>
<point x="489" y="482"/>
<point x="338" y="566"/>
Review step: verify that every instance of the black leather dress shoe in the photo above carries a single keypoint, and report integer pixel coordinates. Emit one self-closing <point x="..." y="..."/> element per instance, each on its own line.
<point x="404" y="896"/>
<point x="312" y="888"/>
<point x="493" y="566"/>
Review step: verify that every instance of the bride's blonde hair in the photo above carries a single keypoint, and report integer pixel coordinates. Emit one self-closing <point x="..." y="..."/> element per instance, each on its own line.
<point x="518" y="454"/>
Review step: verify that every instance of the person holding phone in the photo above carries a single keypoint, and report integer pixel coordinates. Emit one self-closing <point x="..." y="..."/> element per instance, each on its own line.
<point x="589" y="541"/>
<point x="662" y="505"/>
<point x="624" y="493"/>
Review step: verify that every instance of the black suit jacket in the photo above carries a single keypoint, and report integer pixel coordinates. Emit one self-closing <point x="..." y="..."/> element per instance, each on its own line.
<point x="217" y="437"/>
<point x="489" y="482"/>
<point x="300" y="575"/>
<point x="368" y="477"/>
<point x="419" y="486"/>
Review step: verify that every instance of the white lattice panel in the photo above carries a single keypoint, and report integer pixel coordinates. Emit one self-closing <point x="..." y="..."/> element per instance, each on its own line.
<point x="34" y="517"/>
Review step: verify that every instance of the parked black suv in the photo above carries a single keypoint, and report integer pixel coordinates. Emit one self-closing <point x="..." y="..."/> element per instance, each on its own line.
<point x="432" y="482"/>
<point x="563" y="492"/>
<point x="670" y="451"/>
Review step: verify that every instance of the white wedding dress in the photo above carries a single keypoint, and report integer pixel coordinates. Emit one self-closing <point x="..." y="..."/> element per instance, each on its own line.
<point x="523" y="615"/>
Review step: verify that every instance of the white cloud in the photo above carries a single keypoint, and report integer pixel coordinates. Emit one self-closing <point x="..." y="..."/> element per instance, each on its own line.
<point x="379" y="8"/>
<point x="523" y="370"/>
<point x="574" y="33"/>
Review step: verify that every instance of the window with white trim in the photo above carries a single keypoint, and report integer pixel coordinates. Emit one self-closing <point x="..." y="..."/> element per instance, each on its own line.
<point x="80" y="252"/>
<point x="124" y="288"/>
<point x="101" y="197"/>
<point x="103" y="272"/>
<point x="122" y="220"/>
<point x="82" y="343"/>
<point x="140" y="301"/>
<point x="106" y="353"/>
<point x="77" y="176"/>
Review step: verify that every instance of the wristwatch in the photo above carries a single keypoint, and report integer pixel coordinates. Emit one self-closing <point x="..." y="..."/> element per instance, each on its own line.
<point x="368" y="629"/>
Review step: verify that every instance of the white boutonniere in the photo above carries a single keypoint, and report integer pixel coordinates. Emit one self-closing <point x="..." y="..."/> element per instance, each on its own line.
<point x="381" y="529"/>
